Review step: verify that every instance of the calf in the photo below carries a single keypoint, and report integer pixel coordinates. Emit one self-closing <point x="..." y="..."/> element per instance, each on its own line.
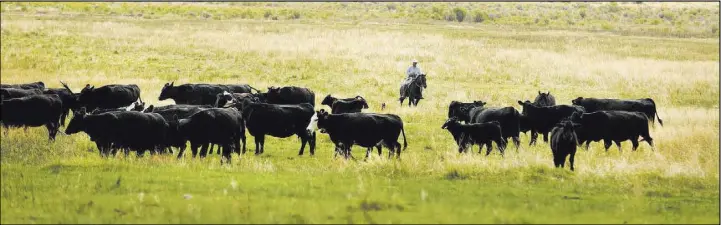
<point x="345" y="105"/>
<point x="563" y="143"/>
<point x="476" y="133"/>
<point x="364" y="129"/>
<point x="218" y="126"/>
<point x="35" y="85"/>
<point x="33" y="111"/>
<point x="507" y="117"/>
<point x="645" y="105"/>
<point x="613" y="126"/>
<point x="541" y="119"/>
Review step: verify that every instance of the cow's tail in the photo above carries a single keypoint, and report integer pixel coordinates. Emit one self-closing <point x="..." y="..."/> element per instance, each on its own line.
<point x="655" y="112"/>
<point x="256" y="90"/>
<point x="405" y="143"/>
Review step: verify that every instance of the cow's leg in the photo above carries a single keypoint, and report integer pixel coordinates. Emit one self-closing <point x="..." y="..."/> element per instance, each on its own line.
<point x="25" y="129"/>
<point x="368" y="152"/>
<point x="570" y="160"/>
<point x="545" y="137"/>
<point x="261" y="143"/>
<point x="534" y="136"/>
<point x="516" y="142"/>
<point x="379" y="150"/>
<point x="243" y="139"/>
<point x="194" y="148"/>
<point x="312" y="144"/>
<point x="634" y="142"/>
<point x="606" y="144"/>
<point x="303" y="140"/>
<point x="204" y="149"/>
<point x="182" y="150"/>
<point x="226" y="153"/>
<point x="618" y="144"/>
<point x="500" y="145"/>
<point x="489" y="147"/>
<point x="588" y="142"/>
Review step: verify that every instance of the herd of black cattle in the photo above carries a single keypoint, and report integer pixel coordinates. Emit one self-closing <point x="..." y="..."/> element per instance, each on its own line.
<point x="115" y="118"/>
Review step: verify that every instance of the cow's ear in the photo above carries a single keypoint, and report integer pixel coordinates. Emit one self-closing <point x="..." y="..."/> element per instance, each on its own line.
<point x="539" y="92"/>
<point x="549" y="93"/>
<point x="172" y="83"/>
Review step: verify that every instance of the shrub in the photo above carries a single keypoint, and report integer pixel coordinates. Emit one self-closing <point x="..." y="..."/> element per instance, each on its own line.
<point x="267" y="14"/>
<point x="480" y="16"/>
<point x="460" y="14"/>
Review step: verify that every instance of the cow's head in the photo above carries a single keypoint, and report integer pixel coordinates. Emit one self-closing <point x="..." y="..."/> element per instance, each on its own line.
<point x="328" y="100"/>
<point x="577" y="101"/>
<point x="362" y="100"/>
<point x="318" y="121"/>
<point x="525" y="105"/>
<point x="168" y="91"/>
<point x="149" y="109"/>
<point x="450" y="122"/>
<point x="87" y="90"/>
<point x="77" y="123"/>
<point x="461" y="110"/>
<point x="222" y="100"/>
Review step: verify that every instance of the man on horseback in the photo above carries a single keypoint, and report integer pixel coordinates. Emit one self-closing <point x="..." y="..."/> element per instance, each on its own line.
<point x="411" y="74"/>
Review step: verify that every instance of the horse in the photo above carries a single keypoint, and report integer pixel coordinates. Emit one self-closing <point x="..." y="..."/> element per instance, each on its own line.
<point x="413" y="90"/>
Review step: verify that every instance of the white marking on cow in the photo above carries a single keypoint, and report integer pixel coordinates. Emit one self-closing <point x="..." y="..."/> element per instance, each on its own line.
<point x="313" y="125"/>
<point x="130" y="107"/>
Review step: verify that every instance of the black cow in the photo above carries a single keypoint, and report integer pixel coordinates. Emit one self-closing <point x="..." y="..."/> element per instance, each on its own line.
<point x="477" y="133"/>
<point x="225" y="99"/>
<point x="70" y="100"/>
<point x="218" y="126"/>
<point x="544" y="99"/>
<point x="121" y="129"/>
<point x="278" y="120"/>
<point x="645" y="105"/>
<point x="613" y="126"/>
<point x="563" y="143"/>
<point x="33" y="111"/>
<point x="11" y="93"/>
<point x="508" y="117"/>
<point x="35" y="85"/>
<point x="363" y="129"/>
<point x="108" y="96"/>
<point x="290" y="95"/>
<point x="171" y="114"/>
<point x="200" y="94"/>
<point x="345" y="105"/>
<point x="461" y="110"/>
<point x="542" y="119"/>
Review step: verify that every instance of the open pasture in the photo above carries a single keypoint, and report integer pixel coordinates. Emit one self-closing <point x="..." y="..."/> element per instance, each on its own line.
<point x="65" y="181"/>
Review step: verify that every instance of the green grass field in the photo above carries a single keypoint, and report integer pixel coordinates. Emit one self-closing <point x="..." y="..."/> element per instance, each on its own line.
<point x="338" y="49"/>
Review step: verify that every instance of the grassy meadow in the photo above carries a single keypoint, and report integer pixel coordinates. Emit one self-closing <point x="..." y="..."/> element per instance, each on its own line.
<point x="348" y="49"/>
